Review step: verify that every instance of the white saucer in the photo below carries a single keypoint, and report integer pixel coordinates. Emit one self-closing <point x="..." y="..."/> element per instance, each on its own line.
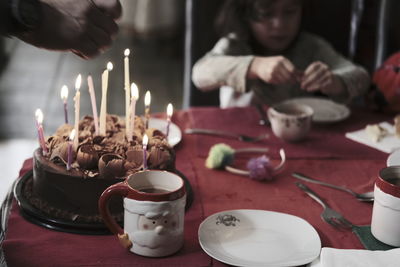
<point x="394" y="158"/>
<point x="175" y="134"/>
<point x="325" y="110"/>
<point x="259" y="238"/>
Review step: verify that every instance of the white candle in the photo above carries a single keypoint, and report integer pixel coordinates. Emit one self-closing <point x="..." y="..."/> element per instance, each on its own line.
<point x="77" y="100"/>
<point x="126" y="87"/>
<point x="170" y="111"/>
<point x="69" y="151"/>
<point x="134" y="98"/>
<point x="126" y="68"/>
<point x="103" y="108"/>
<point x="39" y="125"/>
<point x="147" y="101"/>
<point x="145" y="141"/>
<point x="64" y="97"/>
<point x="94" y="105"/>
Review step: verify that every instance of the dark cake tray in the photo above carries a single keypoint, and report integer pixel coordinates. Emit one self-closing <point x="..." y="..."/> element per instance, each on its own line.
<point x="38" y="217"/>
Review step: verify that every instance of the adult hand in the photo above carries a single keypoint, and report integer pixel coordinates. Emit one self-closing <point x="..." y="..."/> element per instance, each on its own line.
<point x="318" y="77"/>
<point x="274" y="70"/>
<point x="86" y="27"/>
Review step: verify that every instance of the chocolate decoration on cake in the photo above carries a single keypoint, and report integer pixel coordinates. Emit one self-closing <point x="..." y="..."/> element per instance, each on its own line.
<point x="111" y="166"/>
<point x="87" y="157"/>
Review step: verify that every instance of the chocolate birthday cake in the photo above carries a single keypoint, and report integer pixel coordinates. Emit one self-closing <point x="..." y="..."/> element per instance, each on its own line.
<point x="98" y="162"/>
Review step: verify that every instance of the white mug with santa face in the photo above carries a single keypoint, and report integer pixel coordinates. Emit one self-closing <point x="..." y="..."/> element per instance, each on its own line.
<point x="154" y="209"/>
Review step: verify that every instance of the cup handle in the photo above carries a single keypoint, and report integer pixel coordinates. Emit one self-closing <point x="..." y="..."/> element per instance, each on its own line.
<point x="120" y="189"/>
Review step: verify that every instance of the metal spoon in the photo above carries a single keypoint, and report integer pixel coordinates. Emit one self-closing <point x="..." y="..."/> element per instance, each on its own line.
<point x="368" y="196"/>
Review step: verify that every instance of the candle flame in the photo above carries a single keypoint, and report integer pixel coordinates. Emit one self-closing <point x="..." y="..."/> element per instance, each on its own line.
<point x="134" y="91"/>
<point x="170" y="110"/>
<point x="78" y="82"/>
<point x="109" y="66"/>
<point x="147" y="99"/>
<point x="72" y="135"/>
<point x="127" y="52"/>
<point x="145" y="140"/>
<point x="64" y="92"/>
<point x="39" y="115"/>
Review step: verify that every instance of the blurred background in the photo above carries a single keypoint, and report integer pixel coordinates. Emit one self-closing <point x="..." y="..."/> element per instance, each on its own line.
<point x="165" y="38"/>
<point x="32" y="78"/>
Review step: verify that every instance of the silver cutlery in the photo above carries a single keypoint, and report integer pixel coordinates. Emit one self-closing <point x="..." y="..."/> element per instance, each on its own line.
<point x="329" y="215"/>
<point x="240" y="137"/>
<point x="263" y="117"/>
<point x="368" y="196"/>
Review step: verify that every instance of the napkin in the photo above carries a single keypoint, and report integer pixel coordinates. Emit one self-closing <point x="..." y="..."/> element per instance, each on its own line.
<point x="387" y="144"/>
<point x="332" y="257"/>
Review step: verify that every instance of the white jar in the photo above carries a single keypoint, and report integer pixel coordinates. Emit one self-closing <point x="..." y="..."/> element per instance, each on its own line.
<point x="385" y="224"/>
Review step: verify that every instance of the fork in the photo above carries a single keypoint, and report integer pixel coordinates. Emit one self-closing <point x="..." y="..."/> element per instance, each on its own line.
<point x="240" y="137"/>
<point x="329" y="215"/>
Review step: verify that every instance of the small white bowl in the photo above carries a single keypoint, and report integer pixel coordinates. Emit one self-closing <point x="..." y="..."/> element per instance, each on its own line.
<point x="290" y="121"/>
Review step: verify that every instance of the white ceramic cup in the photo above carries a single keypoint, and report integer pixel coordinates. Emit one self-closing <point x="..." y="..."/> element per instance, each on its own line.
<point x="154" y="209"/>
<point x="385" y="223"/>
<point x="290" y="121"/>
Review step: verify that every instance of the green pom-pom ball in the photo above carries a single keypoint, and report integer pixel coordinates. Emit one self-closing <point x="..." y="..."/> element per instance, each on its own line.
<point x="219" y="156"/>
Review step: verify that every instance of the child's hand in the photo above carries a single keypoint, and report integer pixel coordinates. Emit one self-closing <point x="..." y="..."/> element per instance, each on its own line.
<point x="274" y="70"/>
<point x="318" y="77"/>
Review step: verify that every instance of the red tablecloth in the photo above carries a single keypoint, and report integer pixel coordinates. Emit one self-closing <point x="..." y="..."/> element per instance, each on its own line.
<point x="326" y="154"/>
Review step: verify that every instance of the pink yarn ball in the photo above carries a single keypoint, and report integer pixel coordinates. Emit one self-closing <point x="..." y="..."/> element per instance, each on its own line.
<point x="260" y="168"/>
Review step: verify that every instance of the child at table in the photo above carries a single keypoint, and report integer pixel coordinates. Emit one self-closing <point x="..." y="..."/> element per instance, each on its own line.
<point x="263" y="51"/>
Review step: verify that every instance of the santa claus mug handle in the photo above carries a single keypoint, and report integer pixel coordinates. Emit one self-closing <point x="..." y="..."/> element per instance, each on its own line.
<point x="120" y="189"/>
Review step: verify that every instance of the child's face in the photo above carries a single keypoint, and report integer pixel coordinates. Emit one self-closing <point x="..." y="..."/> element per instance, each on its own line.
<point x="277" y="24"/>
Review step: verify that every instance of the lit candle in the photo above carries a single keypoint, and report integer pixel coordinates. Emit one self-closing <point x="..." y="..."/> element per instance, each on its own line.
<point x="170" y="110"/>
<point x="71" y="138"/>
<point x="39" y="125"/>
<point x="147" y="101"/>
<point x="77" y="100"/>
<point x="126" y="86"/>
<point x="134" y="98"/>
<point x="64" y="97"/>
<point x="94" y="106"/>
<point x="145" y="141"/>
<point x="103" y="108"/>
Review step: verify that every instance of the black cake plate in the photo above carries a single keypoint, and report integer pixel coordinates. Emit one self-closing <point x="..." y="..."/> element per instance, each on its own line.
<point x="38" y="217"/>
